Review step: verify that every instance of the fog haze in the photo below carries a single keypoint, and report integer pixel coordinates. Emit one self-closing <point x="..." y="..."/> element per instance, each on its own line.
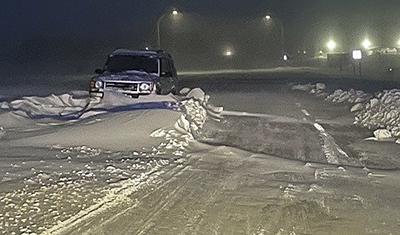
<point x="75" y="36"/>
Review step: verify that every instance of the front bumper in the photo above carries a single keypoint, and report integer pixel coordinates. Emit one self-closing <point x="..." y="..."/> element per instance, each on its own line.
<point x="96" y="94"/>
<point x="125" y="87"/>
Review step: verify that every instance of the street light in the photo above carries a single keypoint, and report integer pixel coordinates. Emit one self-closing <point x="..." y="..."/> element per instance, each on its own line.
<point x="366" y="43"/>
<point x="174" y="12"/>
<point x="331" y="45"/>
<point x="268" y="18"/>
<point x="228" y="53"/>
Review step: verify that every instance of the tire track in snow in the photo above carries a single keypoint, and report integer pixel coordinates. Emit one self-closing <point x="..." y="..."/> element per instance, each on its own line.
<point x="111" y="200"/>
<point x="92" y="220"/>
<point x="169" y="200"/>
<point x="333" y="152"/>
<point x="190" y="201"/>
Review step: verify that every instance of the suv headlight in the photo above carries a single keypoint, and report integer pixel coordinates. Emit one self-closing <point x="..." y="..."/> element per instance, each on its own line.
<point x="144" y="86"/>
<point x="98" y="84"/>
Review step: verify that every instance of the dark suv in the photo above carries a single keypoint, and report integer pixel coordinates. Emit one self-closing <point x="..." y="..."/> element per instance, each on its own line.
<point x="136" y="72"/>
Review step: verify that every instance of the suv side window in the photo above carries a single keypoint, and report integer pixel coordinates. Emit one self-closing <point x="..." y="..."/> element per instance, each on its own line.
<point x="166" y="70"/>
<point x="173" y="69"/>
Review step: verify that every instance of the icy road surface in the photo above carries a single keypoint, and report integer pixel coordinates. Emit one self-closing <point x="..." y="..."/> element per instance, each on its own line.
<point x="271" y="161"/>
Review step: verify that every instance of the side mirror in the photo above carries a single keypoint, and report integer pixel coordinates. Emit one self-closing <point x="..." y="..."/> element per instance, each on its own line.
<point x="99" y="71"/>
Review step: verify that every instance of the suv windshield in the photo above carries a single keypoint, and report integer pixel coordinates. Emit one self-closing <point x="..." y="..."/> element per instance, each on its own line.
<point x="121" y="63"/>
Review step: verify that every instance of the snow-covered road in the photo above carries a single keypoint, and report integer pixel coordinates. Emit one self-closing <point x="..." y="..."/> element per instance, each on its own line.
<point x="261" y="159"/>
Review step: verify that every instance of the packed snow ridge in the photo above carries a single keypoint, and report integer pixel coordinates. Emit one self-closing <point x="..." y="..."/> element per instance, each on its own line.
<point x="197" y="110"/>
<point x="60" y="192"/>
<point x="379" y="112"/>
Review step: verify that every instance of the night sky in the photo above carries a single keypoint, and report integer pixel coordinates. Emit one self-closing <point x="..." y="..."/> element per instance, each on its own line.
<point x="43" y="30"/>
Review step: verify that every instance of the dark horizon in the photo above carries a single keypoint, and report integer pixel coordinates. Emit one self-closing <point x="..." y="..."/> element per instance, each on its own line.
<point x="41" y="31"/>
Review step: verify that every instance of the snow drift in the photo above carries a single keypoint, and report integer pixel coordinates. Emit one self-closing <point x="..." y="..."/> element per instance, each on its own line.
<point x="77" y="164"/>
<point x="101" y="152"/>
<point x="379" y="112"/>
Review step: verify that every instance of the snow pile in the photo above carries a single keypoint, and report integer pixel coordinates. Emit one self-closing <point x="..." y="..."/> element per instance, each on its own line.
<point x="77" y="105"/>
<point x="317" y="89"/>
<point x="380" y="112"/>
<point x="95" y="163"/>
<point x="175" y="142"/>
<point x="23" y="114"/>
<point x="303" y="87"/>
<point x="382" y="134"/>
<point x="34" y="106"/>
<point x="383" y="111"/>
<point x="351" y="96"/>
<point x="197" y="109"/>
<point x="195" y="112"/>
<point x="338" y="96"/>
<point x="67" y="107"/>
<point x="374" y="112"/>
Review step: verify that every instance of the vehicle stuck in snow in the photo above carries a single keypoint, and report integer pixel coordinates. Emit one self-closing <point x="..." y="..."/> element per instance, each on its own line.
<point x="135" y="73"/>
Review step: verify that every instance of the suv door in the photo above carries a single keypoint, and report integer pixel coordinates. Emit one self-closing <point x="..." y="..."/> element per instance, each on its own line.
<point x="168" y="80"/>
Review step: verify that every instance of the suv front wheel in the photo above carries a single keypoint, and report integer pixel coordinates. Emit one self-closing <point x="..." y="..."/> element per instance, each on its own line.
<point x="174" y="90"/>
<point x="160" y="90"/>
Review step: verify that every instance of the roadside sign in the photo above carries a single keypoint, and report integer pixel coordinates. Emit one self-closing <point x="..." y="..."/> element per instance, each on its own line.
<point x="357" y="54"/>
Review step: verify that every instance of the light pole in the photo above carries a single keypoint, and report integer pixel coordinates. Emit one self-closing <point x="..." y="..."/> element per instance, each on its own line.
<point x="357" y="56"/>
<point x="268" y="18"/>
<point x="174" y="12"/>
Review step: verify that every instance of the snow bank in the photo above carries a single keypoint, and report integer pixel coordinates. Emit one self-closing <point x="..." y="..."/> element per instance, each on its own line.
<point x="351" y="96"/>
<point x="317" y="89"/>
<point x="197" y="109"/>
<point x="92" y="164"/>
<point x="380" y="112"/>
<point x="50" y="105"/>
<point x="69" y="107"/>
<point x="120" y="131"/>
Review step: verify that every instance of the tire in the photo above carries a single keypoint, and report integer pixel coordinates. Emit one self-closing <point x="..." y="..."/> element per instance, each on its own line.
<point x="157" y="89"/>
<point x="174" y="91"/>
<point x="160" y="91"/>
<point x="135" y="96"/>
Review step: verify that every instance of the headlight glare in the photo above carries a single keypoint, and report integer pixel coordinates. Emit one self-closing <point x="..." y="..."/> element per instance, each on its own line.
<point x="144" y="86"/>
<point x="98" y="84"/>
